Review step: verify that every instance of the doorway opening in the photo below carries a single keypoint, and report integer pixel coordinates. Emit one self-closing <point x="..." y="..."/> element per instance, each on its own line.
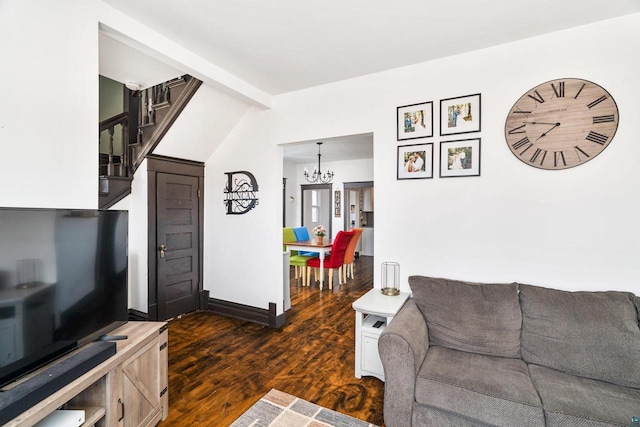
<point x="316" y="206"/>
<point x="349" y="156"/>
<point x="359" y="213"/>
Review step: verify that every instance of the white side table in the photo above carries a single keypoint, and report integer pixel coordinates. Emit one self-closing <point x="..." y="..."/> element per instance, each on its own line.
<point x="374" y="311"/>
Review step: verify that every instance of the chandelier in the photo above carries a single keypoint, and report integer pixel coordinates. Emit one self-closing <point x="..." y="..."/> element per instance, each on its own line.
<point x="317" y="177"/>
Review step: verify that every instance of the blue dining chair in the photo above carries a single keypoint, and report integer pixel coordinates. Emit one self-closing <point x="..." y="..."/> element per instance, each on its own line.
<point x="303" y="234"/>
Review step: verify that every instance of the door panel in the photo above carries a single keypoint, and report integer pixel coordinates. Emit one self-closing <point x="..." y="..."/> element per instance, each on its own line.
<point x="141" y="393"/>
<point x="178" y="244"/>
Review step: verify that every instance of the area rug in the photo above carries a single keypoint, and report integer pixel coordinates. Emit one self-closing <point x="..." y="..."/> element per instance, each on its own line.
<point x="279" y="409"/>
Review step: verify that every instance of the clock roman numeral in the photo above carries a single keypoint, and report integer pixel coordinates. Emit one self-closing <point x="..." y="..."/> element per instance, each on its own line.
<point x="603" y="119"/>
<point x="578" y="151"/>
<point x="597" y="101"/>
<point x="559" y="91"/>
<point x="526" y="149"/>
<point x="536" y="154"/>
<point x="557" y="156"/>
<point x="596" y="137"/>
<point x="517" y="130"/>
<point x="524" y="141"/>
<point x="579" y="91"/>
<point x="536" y="97"/>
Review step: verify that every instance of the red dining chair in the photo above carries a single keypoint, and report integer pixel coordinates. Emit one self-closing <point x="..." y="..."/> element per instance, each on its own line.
<point x="335" y="259"/>
<point x="350" y="255"/>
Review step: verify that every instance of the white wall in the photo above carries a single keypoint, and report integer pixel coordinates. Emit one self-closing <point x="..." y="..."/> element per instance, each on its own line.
<point x="204" y="123"/>
<point x="137" y="205"/>
<point x="292" y="194"/>
<point x="49" y="107"/>
<point x="571" y="229"/>
<point x="242" y="262"/>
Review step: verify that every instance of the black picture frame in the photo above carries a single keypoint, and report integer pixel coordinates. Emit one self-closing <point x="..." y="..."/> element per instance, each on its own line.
<point x="460" y="158"/>
<point x="414" y="121"/>
<point x="461" y="114"/>
<point x="405" y="155"/>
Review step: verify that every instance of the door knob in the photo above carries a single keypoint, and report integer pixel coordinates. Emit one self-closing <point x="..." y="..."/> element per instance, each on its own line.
<point x="163" y="249"/>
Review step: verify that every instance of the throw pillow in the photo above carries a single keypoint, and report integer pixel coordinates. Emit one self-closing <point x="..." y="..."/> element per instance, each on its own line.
<point x="474" y="317"/>
<point x="589" y="334"/>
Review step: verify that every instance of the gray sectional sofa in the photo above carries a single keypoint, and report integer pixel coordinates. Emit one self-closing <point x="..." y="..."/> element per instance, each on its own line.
<point x="478" y="354"/>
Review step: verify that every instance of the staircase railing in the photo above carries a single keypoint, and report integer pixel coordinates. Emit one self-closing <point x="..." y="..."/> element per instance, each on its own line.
<point x="151" y="112"/>
<point x="112" y="164"/>
<point x="159" y="108"/>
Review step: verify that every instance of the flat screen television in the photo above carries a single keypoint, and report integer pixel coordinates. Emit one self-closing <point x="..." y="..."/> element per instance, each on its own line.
<point x="63" y="283"/>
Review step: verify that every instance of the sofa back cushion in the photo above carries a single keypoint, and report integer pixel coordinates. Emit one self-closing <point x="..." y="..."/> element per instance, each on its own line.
<point x="474" y="317"/>
<point x="589" y="334"/>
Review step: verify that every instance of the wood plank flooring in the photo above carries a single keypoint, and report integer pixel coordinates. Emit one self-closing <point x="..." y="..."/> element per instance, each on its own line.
<point x="219" y="367"/>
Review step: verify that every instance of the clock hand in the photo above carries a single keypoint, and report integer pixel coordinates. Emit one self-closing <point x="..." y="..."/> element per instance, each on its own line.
<point x="542" y="123"/>
<point x="555" y="125"/>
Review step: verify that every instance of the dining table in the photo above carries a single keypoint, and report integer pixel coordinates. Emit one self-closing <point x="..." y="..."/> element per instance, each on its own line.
<point x="312" y="246"/>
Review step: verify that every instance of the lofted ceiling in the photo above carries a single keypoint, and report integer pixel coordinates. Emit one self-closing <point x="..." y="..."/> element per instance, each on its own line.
<point x="278" y="46"/>
<point x="285" y="45"/>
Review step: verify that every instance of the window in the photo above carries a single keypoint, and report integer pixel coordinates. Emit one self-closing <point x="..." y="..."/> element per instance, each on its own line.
<point x="315" y="206"/>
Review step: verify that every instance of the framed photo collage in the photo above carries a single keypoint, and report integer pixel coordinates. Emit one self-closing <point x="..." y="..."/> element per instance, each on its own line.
<point x="457" y="157"/>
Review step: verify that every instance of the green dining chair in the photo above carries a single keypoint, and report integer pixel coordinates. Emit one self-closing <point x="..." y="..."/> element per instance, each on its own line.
<point x="299" y="262"/>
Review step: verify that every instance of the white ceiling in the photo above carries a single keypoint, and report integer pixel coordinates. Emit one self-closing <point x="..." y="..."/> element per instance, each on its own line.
<point x="285" y="45"/>
<point x="349" y="147"/>
<point x="280" y="46"/>
<point x="122" y="63"/>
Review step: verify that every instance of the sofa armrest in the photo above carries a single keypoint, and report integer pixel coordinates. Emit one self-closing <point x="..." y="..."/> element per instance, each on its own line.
<point x="402" y="347"/>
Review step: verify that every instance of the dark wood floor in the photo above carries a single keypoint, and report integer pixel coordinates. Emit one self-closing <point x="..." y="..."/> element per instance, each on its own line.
<point x="219" y="367"/>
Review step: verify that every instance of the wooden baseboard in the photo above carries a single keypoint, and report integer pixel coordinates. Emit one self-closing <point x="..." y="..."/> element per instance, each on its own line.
<point x="137" y="315"/>
<point x="204" y="300"/>
<point x="229" y="309"/>
<point x="248" y="313"/>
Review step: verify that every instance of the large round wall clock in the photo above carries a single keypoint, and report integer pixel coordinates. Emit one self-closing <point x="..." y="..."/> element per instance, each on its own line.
<point x="561" y="124"/>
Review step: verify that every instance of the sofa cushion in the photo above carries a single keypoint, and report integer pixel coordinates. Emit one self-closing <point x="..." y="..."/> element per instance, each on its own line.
<point x="571" y="400"/>
<point x="424" y="415"/>
<point x="475" y="317"/>
<point x="488" y="389"/>
<point x="590" y="334"/>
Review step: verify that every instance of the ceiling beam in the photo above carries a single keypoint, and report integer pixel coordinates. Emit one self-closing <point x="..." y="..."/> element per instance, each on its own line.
<point x="137" y="36"/>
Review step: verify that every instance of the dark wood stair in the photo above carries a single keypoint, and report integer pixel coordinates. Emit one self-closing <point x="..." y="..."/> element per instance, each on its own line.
<point x="153" y="110"/>
<point x="158" y="116"/>
<point x="113" y="189"/>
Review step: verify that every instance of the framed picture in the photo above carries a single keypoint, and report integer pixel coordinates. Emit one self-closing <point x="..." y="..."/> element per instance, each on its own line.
<point x="415" y="121"/>
<point x="415" y="161"/>
<point x="460" y="158"/>
<point x="337" y="206"/>
<point x="460" y="115"/>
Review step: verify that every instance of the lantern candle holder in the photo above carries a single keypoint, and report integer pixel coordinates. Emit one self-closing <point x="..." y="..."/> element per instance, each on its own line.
<point x="390" y="278"/>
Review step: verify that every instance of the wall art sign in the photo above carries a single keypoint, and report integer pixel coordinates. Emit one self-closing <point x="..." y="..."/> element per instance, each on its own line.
<point x="460" y="115"/>
<point x="337" y="204"/>
<point x="415" y="121"/>
<point x="460" y="158"/>
<point x="415" y="161"/>
<point x="240" y="193"/>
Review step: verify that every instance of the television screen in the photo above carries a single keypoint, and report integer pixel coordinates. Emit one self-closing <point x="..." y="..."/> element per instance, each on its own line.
<point x="63" y="283"/>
